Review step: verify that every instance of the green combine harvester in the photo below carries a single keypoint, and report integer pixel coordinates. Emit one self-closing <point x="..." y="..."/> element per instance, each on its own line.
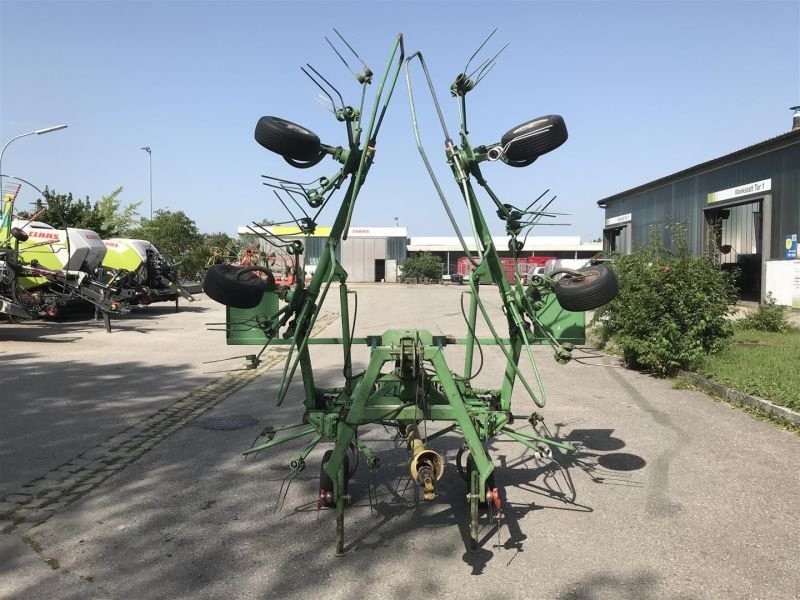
<point x="408" y="385"/>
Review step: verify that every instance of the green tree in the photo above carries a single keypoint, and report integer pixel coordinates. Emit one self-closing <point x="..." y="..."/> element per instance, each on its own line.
<point x="174" y="234"/>
<point x="424" y="265"/>
<point x="115" y="219"/>
<point x="672" y="306"/>
<point x="107" y="217"/>
<point x="60" y="210"/>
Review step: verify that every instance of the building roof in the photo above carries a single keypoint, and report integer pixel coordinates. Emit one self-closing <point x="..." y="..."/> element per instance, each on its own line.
<point x="783" y="139"/>
<point x="325" y="230"/>
<point x="553" y="243"/>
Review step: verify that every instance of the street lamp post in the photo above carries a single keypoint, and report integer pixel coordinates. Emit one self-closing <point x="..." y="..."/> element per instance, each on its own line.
<point x="37" y="132"/>
<point x="150" y="160"/>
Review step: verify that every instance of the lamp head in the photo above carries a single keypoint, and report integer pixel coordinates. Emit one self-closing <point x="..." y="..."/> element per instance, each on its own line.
<point x="49" y="129"/>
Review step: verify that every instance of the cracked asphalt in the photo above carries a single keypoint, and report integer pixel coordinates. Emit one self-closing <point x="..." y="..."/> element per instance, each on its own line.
<point x="121" y="476"/>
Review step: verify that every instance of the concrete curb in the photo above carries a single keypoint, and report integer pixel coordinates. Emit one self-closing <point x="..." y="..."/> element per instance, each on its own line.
<point x="736" y="397"/>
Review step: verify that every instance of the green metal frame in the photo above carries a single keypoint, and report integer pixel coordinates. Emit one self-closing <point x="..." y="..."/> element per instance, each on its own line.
<point x="420" y="386"/>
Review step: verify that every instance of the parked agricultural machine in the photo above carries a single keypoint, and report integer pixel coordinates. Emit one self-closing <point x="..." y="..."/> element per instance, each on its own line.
<point x="44" y="269"/>
<point x="247" y="252"/>
<point x="408" y="382"/>
<point x="141" y="273"/>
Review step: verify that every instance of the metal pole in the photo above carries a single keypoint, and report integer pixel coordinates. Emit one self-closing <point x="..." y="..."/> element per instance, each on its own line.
<point x="150" y="161"/>
<point x="8" y="143"/>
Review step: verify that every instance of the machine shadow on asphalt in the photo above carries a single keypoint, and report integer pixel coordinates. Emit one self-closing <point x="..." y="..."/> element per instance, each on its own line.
<point x="395" y="506"/>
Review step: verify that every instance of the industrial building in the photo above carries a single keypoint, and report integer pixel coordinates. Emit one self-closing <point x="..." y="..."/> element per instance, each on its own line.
<point x="368" y="253"/>
<point x="451" y="253"/>
<point x="744" y="206"/>
<point x="376" y="253"/>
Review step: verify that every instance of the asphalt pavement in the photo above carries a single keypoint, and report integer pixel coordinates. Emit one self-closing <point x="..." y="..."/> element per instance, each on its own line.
<point x="122" y="477"/>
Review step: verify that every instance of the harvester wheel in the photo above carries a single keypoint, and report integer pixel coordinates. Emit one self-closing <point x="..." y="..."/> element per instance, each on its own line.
<point x="288" y="139"/>
<point x="521" y="151"/>
<point x="325" y="481"/>
<point x="229" y="286"/>
<point x="596" y="286"/>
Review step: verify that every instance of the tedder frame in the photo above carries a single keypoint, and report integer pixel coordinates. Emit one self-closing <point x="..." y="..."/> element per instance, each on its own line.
<point x="418" y="385"/>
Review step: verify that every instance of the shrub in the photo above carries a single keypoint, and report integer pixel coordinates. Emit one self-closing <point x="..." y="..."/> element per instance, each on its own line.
<point x="672" y="306"/>
<point x="424" y="265"/>
<point x="769" y="317"/>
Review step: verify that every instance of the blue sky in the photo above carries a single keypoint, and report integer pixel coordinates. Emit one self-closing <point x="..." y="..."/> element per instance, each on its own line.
<point x="646" y="88"/>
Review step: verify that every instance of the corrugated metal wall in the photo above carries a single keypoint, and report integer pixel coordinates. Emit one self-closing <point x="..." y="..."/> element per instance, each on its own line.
<point x="685" y="200"/>
<point x="357" y="255"/>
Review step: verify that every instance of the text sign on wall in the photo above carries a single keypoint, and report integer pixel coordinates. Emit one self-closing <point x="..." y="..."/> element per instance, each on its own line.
<point x="791" y="246"/>
<point x="619" y="219"/>
<point x="756" y="187"/>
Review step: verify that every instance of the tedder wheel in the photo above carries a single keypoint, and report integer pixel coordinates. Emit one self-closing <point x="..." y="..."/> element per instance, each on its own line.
<point x="521" y="150"/>
<point x="596" y="286"/>
<point x="325" y="481"/>
<point x="229" y="285"/>
<point x="287" y="139"/>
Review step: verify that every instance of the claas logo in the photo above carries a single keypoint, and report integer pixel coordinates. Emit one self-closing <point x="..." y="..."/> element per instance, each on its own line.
<point x="43" y="235"/>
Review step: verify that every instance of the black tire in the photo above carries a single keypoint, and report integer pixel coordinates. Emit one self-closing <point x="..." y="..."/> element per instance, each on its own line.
<point x="597" y="287"/>
<point x="224" y="284"/>
<point x="18" y="234"/>
<point x="325" y="481"/>
<point x="288" y="139"/>
<point x="521" y="151"/>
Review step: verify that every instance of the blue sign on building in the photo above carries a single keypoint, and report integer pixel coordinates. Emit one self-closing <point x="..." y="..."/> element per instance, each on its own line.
<point x="791" y="246"/>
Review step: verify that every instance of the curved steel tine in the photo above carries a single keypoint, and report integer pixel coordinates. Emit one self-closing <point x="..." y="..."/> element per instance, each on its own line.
<point x="546" y="206"/>
<point x="474" y="54"/>
<point x="291" y="195"/>
<point x="340" y="56"/>
<point x="484" y="73"/>
<point x="297" y="183"/>
<point x="280" y="186"/>
<point x="351" y="49"/>
<point x="291" y="214"/>
<point x="266" y="235"/>
<point x="285" y="222"/>
<point x="324" y="103"/>
<point x="487" y="64"/>
<point x="317" y="83"/>
<point x="330" y="85"/>
<point x="286" y="483"/>
<point x="542" y="195"/>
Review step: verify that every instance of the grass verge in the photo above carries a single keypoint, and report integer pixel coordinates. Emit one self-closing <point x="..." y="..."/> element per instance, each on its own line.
<point x="761" y="364"/>
<point x="681" y="383"/>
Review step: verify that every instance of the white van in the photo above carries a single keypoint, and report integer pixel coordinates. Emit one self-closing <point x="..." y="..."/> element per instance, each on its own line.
<point x="565" y="263"/>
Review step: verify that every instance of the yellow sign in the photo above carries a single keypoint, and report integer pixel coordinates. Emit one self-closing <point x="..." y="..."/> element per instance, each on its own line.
<point x="321" y="231"/>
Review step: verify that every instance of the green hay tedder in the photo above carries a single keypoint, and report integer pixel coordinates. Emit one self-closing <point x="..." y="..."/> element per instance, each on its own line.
<point x="408" y="381"/>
